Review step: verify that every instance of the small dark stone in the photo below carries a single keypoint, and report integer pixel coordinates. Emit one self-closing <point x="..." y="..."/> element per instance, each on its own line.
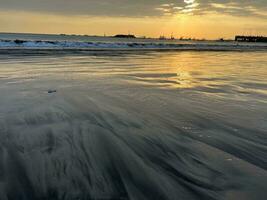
<point x="51" y="91"/>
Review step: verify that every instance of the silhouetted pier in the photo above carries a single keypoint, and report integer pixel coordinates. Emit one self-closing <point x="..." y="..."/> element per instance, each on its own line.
<point x="250" y="38"/>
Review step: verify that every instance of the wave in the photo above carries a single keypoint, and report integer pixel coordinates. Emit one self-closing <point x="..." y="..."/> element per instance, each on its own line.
<point x="220" y="46"/>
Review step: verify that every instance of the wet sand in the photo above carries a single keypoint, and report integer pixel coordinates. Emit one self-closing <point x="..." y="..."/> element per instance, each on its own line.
<point x="129" y="125"/>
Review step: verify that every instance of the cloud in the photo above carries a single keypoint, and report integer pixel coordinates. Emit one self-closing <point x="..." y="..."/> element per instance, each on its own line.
<point x="139" y="8"/>
<point x="228" y="7"/>
<point x="237" y="8"/>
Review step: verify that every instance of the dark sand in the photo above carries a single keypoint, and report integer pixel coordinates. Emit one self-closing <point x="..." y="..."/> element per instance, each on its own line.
<point x="163" y="125"/>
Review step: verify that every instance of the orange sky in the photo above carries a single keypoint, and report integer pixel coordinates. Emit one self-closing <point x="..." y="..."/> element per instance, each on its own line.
<point x="210" y="25"/>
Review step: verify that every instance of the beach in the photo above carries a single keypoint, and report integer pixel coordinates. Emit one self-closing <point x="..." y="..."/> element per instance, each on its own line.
<point x="133" y="124"/>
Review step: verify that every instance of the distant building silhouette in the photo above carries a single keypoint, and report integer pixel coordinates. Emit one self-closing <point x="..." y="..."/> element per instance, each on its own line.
<point x="240" y="38"/>
<point x="162" y="37"/>
<point x="124" y="36"/>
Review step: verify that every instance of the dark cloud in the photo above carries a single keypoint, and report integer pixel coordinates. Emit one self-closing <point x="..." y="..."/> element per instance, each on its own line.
<point x="138" y="8"/>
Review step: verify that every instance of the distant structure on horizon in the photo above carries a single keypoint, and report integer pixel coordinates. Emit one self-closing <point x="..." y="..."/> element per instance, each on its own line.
<point x="240" y="38"/>
<point x="162" y="37"/>
<point x="124" y="36"/>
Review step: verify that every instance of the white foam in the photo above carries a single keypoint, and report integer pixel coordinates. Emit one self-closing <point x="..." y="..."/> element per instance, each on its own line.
<point x="131" y="45"/>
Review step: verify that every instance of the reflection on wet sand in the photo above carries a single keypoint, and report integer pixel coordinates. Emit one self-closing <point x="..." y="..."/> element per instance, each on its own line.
<point x="184" y="125"/>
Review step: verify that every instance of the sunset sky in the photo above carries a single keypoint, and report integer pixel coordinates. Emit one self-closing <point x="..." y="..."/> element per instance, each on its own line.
<point x="210" y="19"/>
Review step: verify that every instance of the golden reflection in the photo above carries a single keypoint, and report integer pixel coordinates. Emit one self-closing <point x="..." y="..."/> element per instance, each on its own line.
<point x="183" y="70"/>
<point x="174" y="71"/>
<point x="184" y="79"/>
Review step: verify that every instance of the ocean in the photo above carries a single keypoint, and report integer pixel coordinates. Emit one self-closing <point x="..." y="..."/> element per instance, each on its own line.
<point x="109" y="123"/>
<point x="42" y="41"/>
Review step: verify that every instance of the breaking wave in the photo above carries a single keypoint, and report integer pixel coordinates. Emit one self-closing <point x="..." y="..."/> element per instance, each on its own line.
<point x="216" y="46"/>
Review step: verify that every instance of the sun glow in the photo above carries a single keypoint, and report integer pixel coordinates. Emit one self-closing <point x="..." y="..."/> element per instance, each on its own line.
<point x="174" y="19"/>
<point x="189" y="1"/>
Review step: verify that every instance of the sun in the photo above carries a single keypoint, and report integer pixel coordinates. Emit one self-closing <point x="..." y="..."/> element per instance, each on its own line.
<point x="189" y="1"/>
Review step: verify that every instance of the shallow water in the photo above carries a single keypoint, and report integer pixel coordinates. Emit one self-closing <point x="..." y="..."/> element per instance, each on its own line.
<point x="133" y="125"/>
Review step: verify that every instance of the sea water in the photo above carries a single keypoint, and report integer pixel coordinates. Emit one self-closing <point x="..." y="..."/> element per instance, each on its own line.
<point x="133" y="124"/>
<point x="45" y="41"/>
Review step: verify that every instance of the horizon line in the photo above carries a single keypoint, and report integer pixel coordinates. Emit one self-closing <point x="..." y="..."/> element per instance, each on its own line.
<point x="137" y="36"/>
